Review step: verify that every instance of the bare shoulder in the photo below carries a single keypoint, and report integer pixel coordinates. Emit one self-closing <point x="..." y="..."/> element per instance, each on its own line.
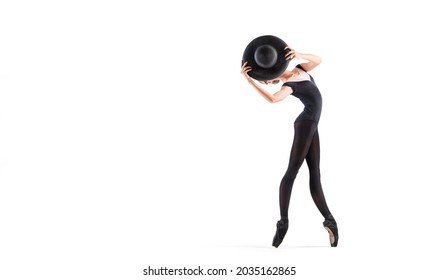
<point x="308" y="66"/>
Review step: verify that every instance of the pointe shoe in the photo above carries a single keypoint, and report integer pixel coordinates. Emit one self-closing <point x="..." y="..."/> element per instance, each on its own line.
<point x="282" y="228"/>
<point x="331" y="227"/>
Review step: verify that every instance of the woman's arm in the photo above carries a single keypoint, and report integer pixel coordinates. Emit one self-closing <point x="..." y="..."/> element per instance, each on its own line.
<point x="313" y="60"/>
<point x="272" y="98"/>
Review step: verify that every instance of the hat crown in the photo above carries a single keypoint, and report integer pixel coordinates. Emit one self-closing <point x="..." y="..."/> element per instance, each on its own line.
<point x="265" y="56"/>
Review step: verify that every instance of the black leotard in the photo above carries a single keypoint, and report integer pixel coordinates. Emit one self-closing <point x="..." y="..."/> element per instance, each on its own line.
<point x="310" y="96"/>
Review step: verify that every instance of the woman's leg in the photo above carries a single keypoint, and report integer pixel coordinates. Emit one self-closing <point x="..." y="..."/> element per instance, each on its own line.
<point x="303" y="136"/>
<point x="313" y="162"/>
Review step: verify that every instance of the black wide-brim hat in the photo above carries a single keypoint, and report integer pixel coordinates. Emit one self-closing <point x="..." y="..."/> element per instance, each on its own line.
<point x="266" y="57"/>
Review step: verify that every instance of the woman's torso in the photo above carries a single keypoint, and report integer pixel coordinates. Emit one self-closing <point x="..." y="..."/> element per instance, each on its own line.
<point x="306" y="90"/>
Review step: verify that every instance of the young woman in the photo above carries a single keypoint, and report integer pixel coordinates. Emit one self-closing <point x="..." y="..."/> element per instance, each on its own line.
<point x="299" y="83"/>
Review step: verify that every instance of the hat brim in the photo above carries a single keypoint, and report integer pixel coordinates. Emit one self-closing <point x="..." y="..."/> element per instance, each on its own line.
<point x="260" y="73"/>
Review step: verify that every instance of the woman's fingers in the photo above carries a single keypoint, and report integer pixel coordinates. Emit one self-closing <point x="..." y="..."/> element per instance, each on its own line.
<point x="246" y="69"/>
<point x="290" y="53"/>
<point x="244" y="66"/>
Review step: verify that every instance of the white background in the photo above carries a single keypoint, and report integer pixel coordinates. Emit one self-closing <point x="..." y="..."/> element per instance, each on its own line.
<point x="128" y="139"/>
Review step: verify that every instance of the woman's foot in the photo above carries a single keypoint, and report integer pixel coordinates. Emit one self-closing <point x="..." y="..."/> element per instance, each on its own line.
<point x="282" y="228"/>
<point x="331" y="226"/>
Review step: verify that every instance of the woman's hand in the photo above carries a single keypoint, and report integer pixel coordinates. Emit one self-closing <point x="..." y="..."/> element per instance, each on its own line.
<point x="245" y="69"/>
<point x="291" y="53"/>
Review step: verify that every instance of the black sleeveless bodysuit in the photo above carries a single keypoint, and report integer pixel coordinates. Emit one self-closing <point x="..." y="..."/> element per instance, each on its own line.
<point x="310" y="96"/>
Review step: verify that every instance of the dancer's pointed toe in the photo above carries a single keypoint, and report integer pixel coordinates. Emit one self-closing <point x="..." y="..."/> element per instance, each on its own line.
<point x="281" y="230"/>
<point x="331" y="227"/>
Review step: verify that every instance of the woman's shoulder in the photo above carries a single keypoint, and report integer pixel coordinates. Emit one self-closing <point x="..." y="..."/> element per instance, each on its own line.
<point x="300" y="67"/>
<point x="289" y="84"/>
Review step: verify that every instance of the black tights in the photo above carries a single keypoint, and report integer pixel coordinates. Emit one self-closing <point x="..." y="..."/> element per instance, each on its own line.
<point x="306" y="145"/>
